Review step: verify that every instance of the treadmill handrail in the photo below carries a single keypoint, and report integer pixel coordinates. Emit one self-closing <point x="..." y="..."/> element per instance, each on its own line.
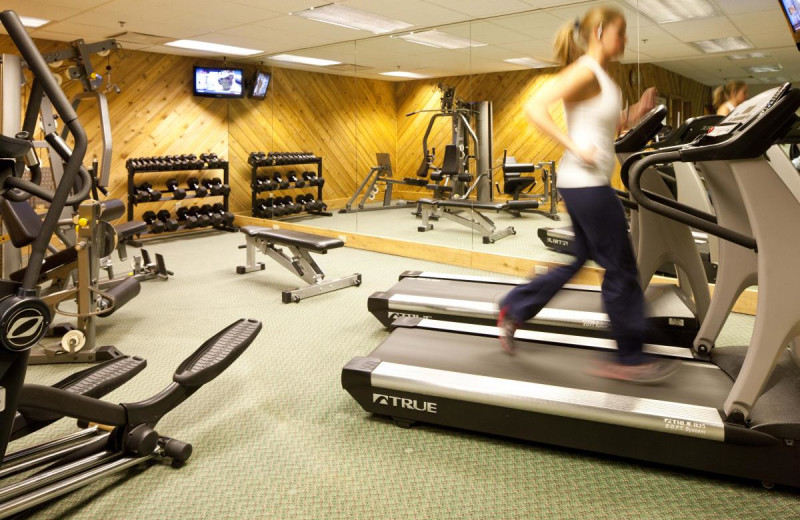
<point x="647" y="200"/>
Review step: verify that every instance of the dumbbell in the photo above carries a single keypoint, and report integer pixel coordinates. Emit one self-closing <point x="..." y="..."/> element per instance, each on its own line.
<point x="264" y="183"/>
<point x="194" y="184"/>
<point x="189" y="221"/>
<point x="169" y="223"/>
<point x="291" y="207"/>
<point x="215" y="186"/>
<point x="313" y="205"/>
<point x="227" y="216"/>
<point x="172" y="187"/>
<point x="156" y="226"/>
<point x="263" y="208"/>
<point x="256" y="158"/>
<point x="153" y="195"/>
<point x="292" y="178"/>
<point x="312" y="179"/>
<point x="202" y="219"/>
<point x="280" y="184"/>
<point x="207" y="210"/>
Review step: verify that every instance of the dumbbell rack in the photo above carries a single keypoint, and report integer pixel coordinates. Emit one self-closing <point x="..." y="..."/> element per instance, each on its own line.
<point x="167" y="196"/>
<point x="255" y="191"/>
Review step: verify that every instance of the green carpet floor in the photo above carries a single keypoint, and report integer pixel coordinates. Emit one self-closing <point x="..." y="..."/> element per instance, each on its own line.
<point x="276" y="437"/>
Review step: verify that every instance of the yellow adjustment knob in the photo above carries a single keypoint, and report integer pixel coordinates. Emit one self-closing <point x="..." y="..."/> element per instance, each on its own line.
<point x="83" y="222"/>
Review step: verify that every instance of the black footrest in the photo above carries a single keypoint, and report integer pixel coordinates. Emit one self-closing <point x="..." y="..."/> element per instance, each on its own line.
<point x="95" y="382"/>
<point x="101" y="379"/>
<point x="217" y="353"/>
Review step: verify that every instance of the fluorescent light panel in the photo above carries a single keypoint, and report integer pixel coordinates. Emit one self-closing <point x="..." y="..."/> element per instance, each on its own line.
<point x="212" y="47"/>
<point x="441" y="40"/>
<point x="305" y="60"/>
<point x="404" y="74"/>
<point x="532" y="63"/>
<point x="669" y="11"/>
<point x="735" y="43"/>
<point x="353" y="19"/>
<point x="749" y="55"/>
<point x="29" y="21"/>
<point x="774" y="79"/>
<point x="761" y="69"/>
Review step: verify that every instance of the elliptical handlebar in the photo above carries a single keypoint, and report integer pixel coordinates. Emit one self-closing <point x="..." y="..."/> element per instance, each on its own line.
<point x="50" y="87"/>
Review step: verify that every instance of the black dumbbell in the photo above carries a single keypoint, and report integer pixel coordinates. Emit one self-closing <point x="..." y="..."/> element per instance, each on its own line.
<point x="279" y="182"/>
<point x="153" y="195"/>
<point x="311" y="178"/>
<point x="189" y="221"/>
<point x="172" y="187"/>
<point x="264" y="183"/>
<point x="227" y="216"/>
<point x="313" y="205"/>
<point x="213" y="189"/>
<point x="202" y="219"/>
<point x="263" y="208"/>
<point x="256" y="158"/>
<point x="292" y="178"/>
<point x="207" y="210"/>
<point x="217" y="188"/>
<point x="156" y="226"/>
<point x="169" y="223"/>
<point x="194" y="185"/>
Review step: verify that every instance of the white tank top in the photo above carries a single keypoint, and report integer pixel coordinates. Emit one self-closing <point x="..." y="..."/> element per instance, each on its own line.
<point x="592" y="122"/>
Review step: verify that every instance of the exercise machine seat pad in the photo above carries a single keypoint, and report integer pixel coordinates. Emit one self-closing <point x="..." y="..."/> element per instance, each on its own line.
<point x="499" y="206"/>
<point x="63" y="257"/>
<point x="129" y="229"/>
<point x="111" y="209"/>
<point x="288" y="237"/>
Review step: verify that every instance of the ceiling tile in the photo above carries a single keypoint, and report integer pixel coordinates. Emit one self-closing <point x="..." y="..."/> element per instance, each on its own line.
<point x="705" y="29"/>
<point x="482" y="8"/>
<point x="415" y="12"/>
<point x="746" y="6"/>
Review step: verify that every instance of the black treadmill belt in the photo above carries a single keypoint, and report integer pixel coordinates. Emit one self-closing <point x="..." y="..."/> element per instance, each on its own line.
<point x="660" y="299"/>
<point x="695" y="383"/>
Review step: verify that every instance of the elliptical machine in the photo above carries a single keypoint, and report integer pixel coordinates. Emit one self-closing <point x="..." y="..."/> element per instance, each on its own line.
<point x="128" y="436"/>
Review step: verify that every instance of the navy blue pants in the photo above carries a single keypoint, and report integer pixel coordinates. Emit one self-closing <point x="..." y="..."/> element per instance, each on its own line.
<point x="601" y="234"/>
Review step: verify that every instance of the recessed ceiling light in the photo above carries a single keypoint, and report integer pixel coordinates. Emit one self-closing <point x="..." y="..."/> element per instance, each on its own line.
<point x="734" y="43"/>
<point x="749" y="55"/>
<point x="305" y="60"/>
<point x="441" y="40"/>
<point x="404" y="74"/>
<point x="668" y="11"/>
<point x="29" y="21"/>
<point x="532" y="63"/>
<point x="353" y="19"/>
<point x="212" y="47"/>
<point x="761" y="69"/>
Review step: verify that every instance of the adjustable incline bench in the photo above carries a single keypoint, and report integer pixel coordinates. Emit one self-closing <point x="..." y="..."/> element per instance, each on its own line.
<point x="299" y="261"/>
<point x="466" y="211"/>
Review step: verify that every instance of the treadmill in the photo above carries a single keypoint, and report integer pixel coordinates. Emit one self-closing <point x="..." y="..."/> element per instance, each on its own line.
<point x="735" y="413"/>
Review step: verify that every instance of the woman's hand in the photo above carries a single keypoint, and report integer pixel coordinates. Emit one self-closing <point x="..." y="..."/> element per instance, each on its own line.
<point x="587" y="155"/>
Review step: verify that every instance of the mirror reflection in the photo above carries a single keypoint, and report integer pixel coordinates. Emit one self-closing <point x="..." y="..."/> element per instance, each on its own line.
<point x="437" y="114"/>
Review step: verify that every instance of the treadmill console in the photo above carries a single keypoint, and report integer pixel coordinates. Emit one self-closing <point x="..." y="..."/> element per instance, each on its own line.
<point x="746" y="112"/>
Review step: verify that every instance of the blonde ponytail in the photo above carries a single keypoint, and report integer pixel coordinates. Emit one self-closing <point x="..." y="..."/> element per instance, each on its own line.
<point x="566" y="46"/>
<point x="573" y="37"/>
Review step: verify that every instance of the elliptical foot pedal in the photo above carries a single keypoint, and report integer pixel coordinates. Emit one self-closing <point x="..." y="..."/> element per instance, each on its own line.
<point x="94" y="382"/>
<point x="217" y="354"/>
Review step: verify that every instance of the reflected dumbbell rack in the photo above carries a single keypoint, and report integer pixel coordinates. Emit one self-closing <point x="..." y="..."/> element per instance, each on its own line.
<point x="179" y="187"/>
<point x="275" y="173"/>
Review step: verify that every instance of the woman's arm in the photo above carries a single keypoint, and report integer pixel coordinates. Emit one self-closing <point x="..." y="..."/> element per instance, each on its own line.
<point x="574" y="83"/>
<point x="631" y="115"/>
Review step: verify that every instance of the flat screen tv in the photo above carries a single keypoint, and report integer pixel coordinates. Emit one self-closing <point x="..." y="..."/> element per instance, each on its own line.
<point x="218" y="82"/>
<point x="260" y="84"/>
<point x="791" y="10"/>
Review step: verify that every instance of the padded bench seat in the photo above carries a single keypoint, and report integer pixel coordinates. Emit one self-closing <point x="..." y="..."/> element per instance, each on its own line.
<point x="298" y="260"/>
<point x="316" y="243"/>
<point x="467" y="213"/>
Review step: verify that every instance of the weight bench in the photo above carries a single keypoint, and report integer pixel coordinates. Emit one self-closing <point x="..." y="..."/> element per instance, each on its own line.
<point x="467" y="213"/>
<point x="299" y="261"/>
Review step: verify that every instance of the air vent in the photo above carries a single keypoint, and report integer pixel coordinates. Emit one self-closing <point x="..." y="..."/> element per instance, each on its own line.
<point x="140" y="38"/>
